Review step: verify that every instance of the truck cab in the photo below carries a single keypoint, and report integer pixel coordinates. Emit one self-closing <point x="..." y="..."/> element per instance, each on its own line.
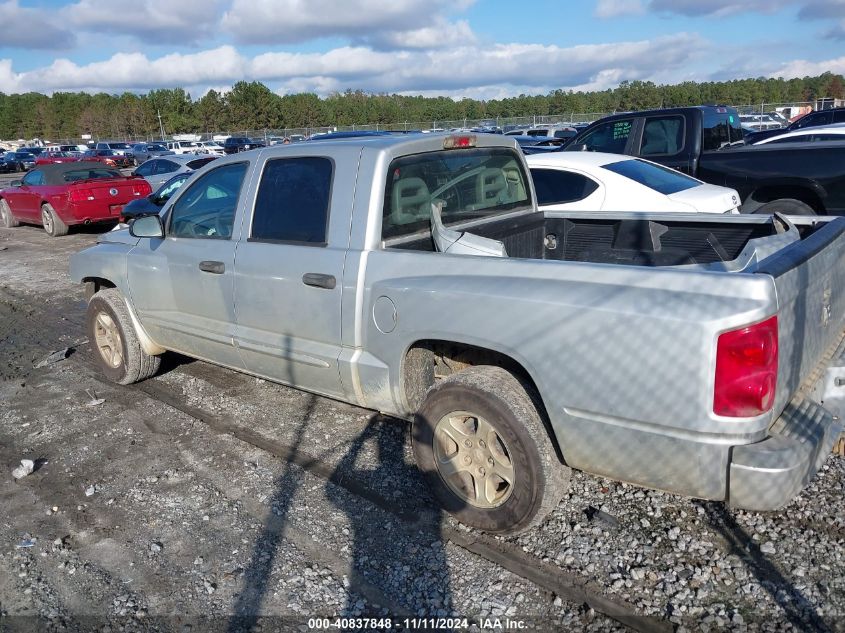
<point x="675" y="137"/>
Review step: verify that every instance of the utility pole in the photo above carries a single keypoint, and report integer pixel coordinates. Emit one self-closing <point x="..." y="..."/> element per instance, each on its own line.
<point x="160" y="124"/>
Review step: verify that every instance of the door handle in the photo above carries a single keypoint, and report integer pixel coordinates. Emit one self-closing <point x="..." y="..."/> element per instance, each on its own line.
<point x="217" y="268"/>
<point x="319" y="280"/>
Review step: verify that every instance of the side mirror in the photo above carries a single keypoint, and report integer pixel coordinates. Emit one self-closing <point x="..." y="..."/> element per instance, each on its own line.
<point x="15" y="183"/>
<point x="146" y="226"/>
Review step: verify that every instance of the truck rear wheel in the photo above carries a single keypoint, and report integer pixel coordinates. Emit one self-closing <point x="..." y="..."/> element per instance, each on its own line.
<point x="9" y="220"/>
<point x="116" y="348"/>
<point x="482" y="445"/>
<point x="786" y="206"/>
<point x="52" y="222"/>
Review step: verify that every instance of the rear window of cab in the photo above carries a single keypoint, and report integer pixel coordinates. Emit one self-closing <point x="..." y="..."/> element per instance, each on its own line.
<point x="469" y="184"/>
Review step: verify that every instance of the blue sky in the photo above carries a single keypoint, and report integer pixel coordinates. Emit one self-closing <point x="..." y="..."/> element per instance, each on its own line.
<point x="475" y="48"/>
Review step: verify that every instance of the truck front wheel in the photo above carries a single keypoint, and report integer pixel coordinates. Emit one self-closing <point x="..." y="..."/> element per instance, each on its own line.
<point x="116" y="348"/>
<point x="482" y="445"/>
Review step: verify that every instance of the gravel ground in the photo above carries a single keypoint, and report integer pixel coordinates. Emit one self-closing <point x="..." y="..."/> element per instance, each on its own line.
<point x="142" y="517"/>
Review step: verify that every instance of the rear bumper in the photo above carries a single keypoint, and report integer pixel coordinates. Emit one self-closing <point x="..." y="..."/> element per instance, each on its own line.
<point x="769" y="474"/>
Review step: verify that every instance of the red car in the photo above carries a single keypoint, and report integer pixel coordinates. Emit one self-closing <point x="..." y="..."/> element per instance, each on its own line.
<point x="53" y="158"/>
<point x="109" y="157"/>
<point x="61" y="195"/>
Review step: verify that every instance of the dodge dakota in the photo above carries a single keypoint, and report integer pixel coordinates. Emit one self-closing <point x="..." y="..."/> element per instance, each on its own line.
<point x="416" y="276"/>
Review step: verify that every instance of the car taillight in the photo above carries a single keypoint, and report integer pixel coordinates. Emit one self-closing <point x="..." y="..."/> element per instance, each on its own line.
<point x="746" y="370"/>
<point x="141" y="188"/>
<point x="81" y="195"/>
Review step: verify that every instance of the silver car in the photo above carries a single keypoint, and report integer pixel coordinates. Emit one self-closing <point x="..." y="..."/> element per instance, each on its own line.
<point x="157" y="171"/>
<point x="145" y="151"/>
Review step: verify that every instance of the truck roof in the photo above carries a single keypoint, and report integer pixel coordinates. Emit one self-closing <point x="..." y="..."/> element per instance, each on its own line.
<point x="400" y="145"/>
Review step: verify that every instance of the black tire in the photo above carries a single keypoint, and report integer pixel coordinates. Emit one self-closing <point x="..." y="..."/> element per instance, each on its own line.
<point x="6" y="216"/>
<point x="786" y="206"/>
<point x="134" y="364"/>
<point x="52" y="222"/>
<point x="539" y="478"/>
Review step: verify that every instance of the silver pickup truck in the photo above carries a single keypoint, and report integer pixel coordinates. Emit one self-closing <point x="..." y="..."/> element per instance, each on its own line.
<point x="415" y="276"/>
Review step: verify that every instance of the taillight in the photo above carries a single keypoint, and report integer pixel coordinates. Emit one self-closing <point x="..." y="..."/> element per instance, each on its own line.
<point x="81" y="195"/>
<point x="746" y="370"/>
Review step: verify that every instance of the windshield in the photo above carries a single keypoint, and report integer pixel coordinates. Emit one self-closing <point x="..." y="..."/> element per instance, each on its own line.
<point x="85" y="174"/>
<point x="119" y="146"/>
<point x="156" y="148"/>
<point x="470" y="184"/>
<point x="666" y="181"/>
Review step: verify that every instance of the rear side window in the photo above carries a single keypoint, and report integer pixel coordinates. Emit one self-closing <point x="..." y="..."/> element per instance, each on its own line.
<point x="662" y="179"/>
<point x="199" y="162"/>
<point x="663" y="136"/>
<point x="293" y="201"/>
<point x="814" y="119"/>
<point x="555" y="186"/>
<point x="165" y="167"/>
<point x="839" y="116"/>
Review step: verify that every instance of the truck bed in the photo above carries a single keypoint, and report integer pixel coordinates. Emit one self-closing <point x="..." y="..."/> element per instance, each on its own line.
<point x="654" y="240"/>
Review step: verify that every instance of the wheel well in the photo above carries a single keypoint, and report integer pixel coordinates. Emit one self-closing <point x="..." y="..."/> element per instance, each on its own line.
<point x="767" y="194"/>
<point x="95" y="284"/>
<point x="428" y="361"/>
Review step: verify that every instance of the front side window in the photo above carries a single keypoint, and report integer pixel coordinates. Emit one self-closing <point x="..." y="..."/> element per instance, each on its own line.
<point x="147" y="169"/>
<point x="556" y="186"/>
<point x="662" y="179"/>
<point x="609" y="137"/>
<point x="292" y="204"/>
<point x="207" y="208"/>
<point x="663" y="136"/>
<point x="468" y="184"/>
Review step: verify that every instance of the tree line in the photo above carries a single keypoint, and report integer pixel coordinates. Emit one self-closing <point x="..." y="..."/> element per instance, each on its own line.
<point x="253" y="106"/>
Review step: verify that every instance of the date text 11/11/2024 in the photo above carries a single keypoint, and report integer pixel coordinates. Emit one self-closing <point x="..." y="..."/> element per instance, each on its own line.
<point x="416" y="624"/>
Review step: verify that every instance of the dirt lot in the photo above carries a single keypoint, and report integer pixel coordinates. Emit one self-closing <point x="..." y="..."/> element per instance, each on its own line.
<point x="205" y="499"/>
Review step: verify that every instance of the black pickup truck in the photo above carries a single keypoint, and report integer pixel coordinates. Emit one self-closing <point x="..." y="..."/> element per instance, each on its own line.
<point x="707" y="143"/>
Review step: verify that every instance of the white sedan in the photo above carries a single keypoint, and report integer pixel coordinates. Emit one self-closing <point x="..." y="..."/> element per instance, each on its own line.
<point x="834" y="132"/>
<point x="595" y="181"/>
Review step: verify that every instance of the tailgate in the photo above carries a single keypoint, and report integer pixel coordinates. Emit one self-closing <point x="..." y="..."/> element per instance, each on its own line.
<point x="809" y="277"/>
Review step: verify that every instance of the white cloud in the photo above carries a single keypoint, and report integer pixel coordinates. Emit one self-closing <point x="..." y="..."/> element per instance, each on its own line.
<point x="286" y="21"/>
<point x="454" y="71"/>
<point x="617" y="8"/>
<point x="32" y="28"/>
<point x="441" y="34"/>
<point x="804" y="68"/>
<point x="155" y="21"/>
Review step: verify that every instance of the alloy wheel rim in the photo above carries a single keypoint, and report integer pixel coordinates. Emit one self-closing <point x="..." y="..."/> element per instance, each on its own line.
<point x="108" y="341"/>
<point x="473" y="460"/>
<point x="47" y="220"/>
